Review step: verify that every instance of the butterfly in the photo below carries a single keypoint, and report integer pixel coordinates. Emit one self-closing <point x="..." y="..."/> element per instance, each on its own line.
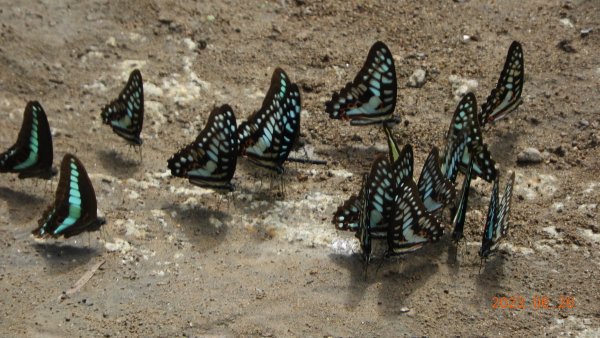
<point x="268" y="135"/>
<point x="506" y="97"/>
<point x="411" y="225"/>
<point x="496" y="225"/>
<point x="371" y="97"/>
<point x="211" y="159"/>
<point x="74" y="208"/>
<point x="31" y="155"/>
<point x="378" y="201"/>
<point x="402" y="161"/>
<point x="464" y="144"/>
<point x="459" y="214"/>
<point x="125" y="114"/>
<point x="435" y="189"/>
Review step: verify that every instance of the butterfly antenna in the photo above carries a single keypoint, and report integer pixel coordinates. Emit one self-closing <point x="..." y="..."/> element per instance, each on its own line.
<point x="141" y="156"/>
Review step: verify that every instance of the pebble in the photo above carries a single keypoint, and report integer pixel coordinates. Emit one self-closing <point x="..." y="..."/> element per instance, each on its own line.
<point x="529" y="156"/>
<point x="417" y="79"/>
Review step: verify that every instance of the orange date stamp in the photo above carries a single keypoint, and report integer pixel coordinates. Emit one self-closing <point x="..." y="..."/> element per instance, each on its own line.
<point x="536" y="302"/>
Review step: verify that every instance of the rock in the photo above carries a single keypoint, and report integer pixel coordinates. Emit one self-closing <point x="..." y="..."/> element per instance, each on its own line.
<point x="417" y="79"/>
<point x="529" y="156"/>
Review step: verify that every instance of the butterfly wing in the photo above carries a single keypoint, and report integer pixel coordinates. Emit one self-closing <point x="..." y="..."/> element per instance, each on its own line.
<point x="506" y="97"/>
<point x="74" y="210"/>
<point x="347" y="215"/>
<point x="379" y="197"/>
<point x="491" y="231"/>
<point x="126" y="113"/>
<point x="411" y="226"/>
<point x="31" y="156"/>
<point x="210" y="160"/>
<point x="269" y="134"/>
<point x="504" y="209"/>
<point x="435" y="189"/>
<point x="371" y="97"/>
<point x="464" y="144"/>
<point x="459" y="215"/>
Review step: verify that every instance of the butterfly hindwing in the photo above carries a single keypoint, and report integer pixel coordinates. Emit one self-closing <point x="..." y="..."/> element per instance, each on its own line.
<point x="210" y="160"/>
<point x="411" y="225"/>
<point x="126" y="113"/>
<point x="459" y="215"/>
<point x="435" y="189"/>
<point x="506" y="97"/>
<point x="267" y="137"/>
<point x="74" y="210"/>
<point x="371" y="97"/>
<point x="32" y="154"/>
<point x="496" y="225"/>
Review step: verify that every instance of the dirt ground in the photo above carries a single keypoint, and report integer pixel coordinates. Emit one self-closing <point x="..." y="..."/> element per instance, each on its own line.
<point x="180" y="262"/>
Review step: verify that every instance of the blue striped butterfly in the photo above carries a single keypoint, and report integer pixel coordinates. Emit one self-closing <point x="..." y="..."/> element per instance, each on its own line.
<point x="32" y="154"/>
<point x="496" y="225"/>
<point x="74" y="209"/>
<point x="411" y="225"/>
<point x="435" y="189"/>
<point x="267" y="137"/>
<point x="211" y="159"/>
<point x="506" y="97"/>
<point x="459" y="214"/>
<point x="371" y="97"/>
<point x="378" y="201"/>
<point x="464" y="144"/>
<point x="125" y="114"/>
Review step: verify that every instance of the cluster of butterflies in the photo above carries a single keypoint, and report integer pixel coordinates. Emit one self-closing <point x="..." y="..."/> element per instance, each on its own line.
<point x="390" y="205"/>
<point x="267" y="137"/>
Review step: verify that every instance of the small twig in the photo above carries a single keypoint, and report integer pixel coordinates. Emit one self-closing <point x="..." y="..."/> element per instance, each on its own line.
<point x="82" y="281"/>
<point x="306" y="160"/>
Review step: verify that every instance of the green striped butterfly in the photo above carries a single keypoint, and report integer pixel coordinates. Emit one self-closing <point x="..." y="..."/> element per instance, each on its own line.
<point x="496" y="225"/>
<point x="211" y="159"/>
<point x="371" y="97"/>
<point x="464" y="144"/>
<point x="32" y="154"/>
<point x="506" y="97"/>
<point x="74" y="209"/>
<point x="269" y="134"/>
<point x="125" y="114"/>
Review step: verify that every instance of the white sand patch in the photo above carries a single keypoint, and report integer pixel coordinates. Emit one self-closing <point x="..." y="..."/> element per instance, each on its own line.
<point x="190" y="44"/>
<point x="152" y="91"/>
<point x="119" y="245"/>
<point x="589" y="235"/>
<point x="551" y="231"/>
<point x="132" y="228"/>
<point x="462" y="86"/>
<point x="126" y="66"/>
<point x="345" y="246"/>
<point x="540" y="186"/>
<point x="513" y="249"/>
<point x="159" y="216"/>
<point x="95" y="87"/>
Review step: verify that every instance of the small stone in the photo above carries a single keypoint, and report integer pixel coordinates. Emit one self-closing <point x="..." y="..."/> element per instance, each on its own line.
<point x="417" y="79"/>
<point x="560" y="151"/>
<point x="404" y="310"/>
<point x="585" y="32"/>
<point x="583" y="124"/>
<point x="529" y="156"/>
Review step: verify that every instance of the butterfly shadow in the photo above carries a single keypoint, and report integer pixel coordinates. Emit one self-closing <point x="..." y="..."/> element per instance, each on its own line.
<point x="410" y="273"/>
<point x="204" y="227"/>
<point x="357" y="159"/>
<point x="490" y="276"/>
<point x="21" y="204"/>
<point x="503" y="145"/>
<point x="118" y="164"/>
<point x="358" y="281"/>
<point x="61" y="257"/>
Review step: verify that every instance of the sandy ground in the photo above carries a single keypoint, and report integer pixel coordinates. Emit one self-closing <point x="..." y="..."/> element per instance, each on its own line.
<point x="179" y="262"/>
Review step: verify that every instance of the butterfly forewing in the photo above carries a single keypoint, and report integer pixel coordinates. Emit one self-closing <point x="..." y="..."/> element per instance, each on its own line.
<point x="435" y="189"/>
<point x="74" y="210"/>
<point x="210" y="160"/>
<point x="267" y="137"/>
<point x="32" y="154"/>
<point x="506" y="97"/>
<point x="371" y="97"/>
<point x="379" y="197"/>
<point x="411" y="226"/>
<point x="504" y="209"/>
<point x="491" y="231"/>
<point x="126" y="113"/>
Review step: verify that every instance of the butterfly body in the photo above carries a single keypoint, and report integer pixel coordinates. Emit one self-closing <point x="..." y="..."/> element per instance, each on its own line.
<point x="371" y="97"/>
<point x="496" y="225"/>
<point x="267" y="137"/>
<point x="506" y="96"/>
<point x="125" y="114"/>
<point x="74" y="210"/>
<point x="32" y="154"/>
<point x="210" y="161"/>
